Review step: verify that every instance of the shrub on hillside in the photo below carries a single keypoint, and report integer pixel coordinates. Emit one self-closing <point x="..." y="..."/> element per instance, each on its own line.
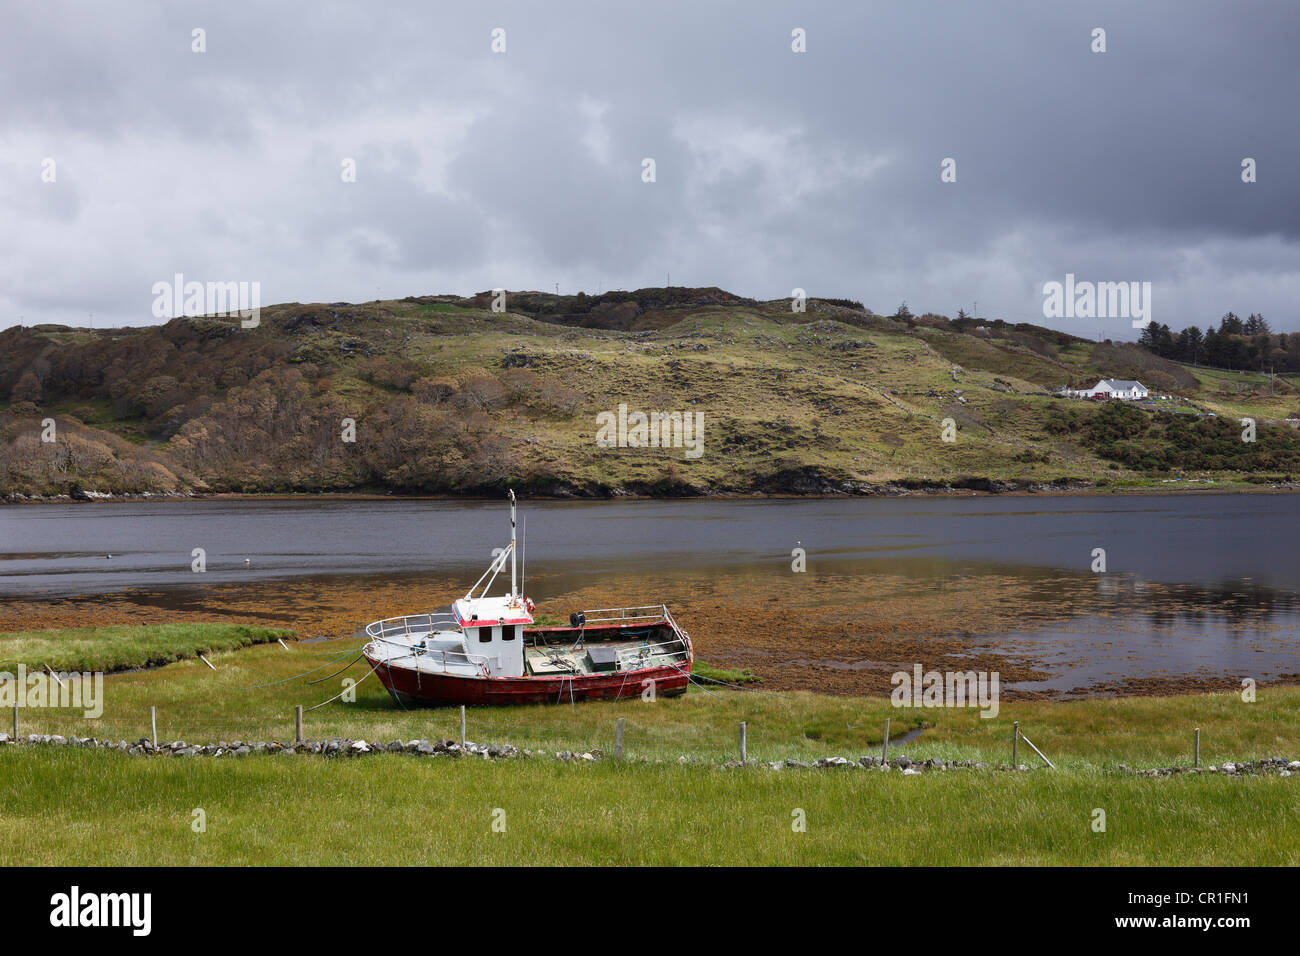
<point x="387" y="371"/>
<point x="27" y="389"/>
<point x="1062" y="421"/>
<point x="482" y="392"/>
<point x="1165" y="442"/>
<point x="433" y="391"/>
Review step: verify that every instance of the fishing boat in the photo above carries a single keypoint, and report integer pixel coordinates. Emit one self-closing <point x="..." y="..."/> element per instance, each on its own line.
<point x="489" y="650"/>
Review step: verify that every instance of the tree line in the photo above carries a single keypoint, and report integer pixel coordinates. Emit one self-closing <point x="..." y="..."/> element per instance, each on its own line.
<point x="1247" y="344"/>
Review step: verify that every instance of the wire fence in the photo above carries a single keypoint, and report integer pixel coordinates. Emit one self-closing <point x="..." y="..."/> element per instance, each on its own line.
<point x="657" y="738"/>
<point x="754" y="725"/>
<point x="619" y="737"/>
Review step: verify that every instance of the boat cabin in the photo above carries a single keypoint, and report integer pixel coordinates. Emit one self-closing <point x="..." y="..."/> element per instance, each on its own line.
<point x="493" y="629"/>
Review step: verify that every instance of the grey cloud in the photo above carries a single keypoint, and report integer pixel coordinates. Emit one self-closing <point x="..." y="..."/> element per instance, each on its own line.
<point x="774" y="169"/>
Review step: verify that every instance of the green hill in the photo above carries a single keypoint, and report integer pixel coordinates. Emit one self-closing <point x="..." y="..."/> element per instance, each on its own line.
<point x="448" y="396"/>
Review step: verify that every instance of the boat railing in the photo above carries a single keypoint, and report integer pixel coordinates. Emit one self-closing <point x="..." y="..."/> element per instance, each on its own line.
<point x="383" y="631"/>
<point x="392" y="626"/>
<point x="645" y="612"/>
<point x="475" y="660"/>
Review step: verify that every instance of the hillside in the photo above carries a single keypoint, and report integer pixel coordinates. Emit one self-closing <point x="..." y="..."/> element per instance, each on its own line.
<point x="449" y="397"/>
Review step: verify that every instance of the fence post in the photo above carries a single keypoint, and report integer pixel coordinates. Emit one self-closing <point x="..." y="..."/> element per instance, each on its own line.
<point x="462" y="725"/>
<point x="1015" y="745"/>
<point x="297" y="724"/>
<point x="153" y="724"/>
<point x="884" y="747"/>
<point x="1041" y="755"/>
<point x="1197" y="755"/>
<point x="742" y="741"/>
<point x="618" y="740"/>
<point x="15" y="723"/>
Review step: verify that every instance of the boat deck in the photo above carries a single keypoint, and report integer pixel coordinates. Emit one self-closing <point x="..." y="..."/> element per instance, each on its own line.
<point x="603" y="657"/>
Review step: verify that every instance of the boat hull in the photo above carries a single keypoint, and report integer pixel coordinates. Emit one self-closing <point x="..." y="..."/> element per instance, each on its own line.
<point x="430" y="690"/>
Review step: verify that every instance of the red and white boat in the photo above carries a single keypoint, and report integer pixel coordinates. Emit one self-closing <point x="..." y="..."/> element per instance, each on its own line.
<point x="488" y="650"/>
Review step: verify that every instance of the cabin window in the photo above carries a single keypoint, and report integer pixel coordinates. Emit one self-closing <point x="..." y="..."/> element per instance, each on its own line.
<point x="484" y="635"/>
<point x="509" y="632"/>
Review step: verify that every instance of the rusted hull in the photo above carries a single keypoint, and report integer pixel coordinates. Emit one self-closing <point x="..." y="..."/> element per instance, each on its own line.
<point x="411" y="689"/>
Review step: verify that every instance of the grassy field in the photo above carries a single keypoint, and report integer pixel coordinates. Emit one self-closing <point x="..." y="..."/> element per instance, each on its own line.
<point x="120" y="648"/>
<point x="78" y="807"/>
<point x="103" y="807"/>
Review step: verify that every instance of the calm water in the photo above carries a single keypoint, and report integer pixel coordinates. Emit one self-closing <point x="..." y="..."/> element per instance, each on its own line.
<point x="1208" y="540"/>
<point x="1226" y="568"/>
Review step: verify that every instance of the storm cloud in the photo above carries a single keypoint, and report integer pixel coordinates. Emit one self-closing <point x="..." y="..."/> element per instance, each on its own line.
<point x="773" y="169"/>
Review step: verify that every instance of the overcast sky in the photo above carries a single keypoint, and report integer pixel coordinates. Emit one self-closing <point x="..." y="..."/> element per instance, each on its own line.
<point x="774" y="169"/>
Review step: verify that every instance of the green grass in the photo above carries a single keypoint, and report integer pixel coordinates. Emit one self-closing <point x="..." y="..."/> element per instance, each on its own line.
<point x="710" y="673"/>
<point x="655" y="808"/>
<point x="97" y="808"/>
<point x="121" y="648"/>
<point x="1244" y="394"/>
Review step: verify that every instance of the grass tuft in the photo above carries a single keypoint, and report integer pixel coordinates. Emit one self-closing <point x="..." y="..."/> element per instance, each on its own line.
<point x="110" y="649"/>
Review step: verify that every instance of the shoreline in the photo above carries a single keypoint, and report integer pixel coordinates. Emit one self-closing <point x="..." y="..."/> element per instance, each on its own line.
<point x="1075" y="491"/>
<point x="848" y="646"/>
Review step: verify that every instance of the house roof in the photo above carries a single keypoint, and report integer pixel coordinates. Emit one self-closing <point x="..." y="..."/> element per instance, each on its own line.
<point x="1121" y="384"/>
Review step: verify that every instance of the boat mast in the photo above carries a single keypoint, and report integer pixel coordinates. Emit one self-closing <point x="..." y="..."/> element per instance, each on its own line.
<point x="514" y="593"/>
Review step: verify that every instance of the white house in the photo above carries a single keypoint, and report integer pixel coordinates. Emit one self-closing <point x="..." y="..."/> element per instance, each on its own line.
<point x="1111" y="388"/>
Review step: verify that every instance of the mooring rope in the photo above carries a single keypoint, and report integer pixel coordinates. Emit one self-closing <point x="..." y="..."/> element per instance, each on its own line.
<point x="689" y="678"/>
<point x="333" y="660"/>
<point x="345" y="689"/>
<point x="319" y="680"/>
<point x="751" y="690"/>
<point x="696" y="678"/>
